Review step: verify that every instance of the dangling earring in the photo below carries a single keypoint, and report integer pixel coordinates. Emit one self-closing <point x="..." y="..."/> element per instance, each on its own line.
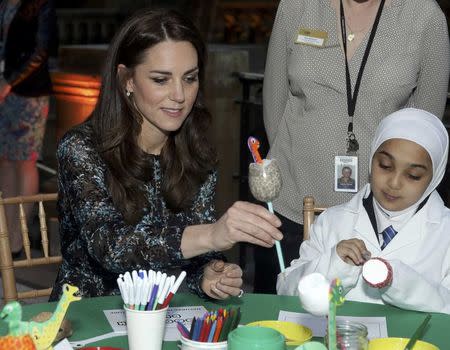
<point x="128" y="93"/>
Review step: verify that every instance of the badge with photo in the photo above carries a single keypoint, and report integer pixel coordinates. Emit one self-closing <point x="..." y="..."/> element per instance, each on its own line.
<point x="346" y="174"/>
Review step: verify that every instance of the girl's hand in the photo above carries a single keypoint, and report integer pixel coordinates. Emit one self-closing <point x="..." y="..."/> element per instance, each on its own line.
<point x="221" y="280"/>
<point x="246" y="222"/>
<point x="353" y="251"/>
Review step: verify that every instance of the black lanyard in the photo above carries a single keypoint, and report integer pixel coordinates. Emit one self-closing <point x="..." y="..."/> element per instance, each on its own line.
<point x="352" y="144"/>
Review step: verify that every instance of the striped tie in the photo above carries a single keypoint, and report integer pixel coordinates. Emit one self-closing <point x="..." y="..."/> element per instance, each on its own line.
<point x="388" y="234"/>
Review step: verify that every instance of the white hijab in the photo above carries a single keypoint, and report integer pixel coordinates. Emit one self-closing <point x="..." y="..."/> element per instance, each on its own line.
<point x="426" y="130"/>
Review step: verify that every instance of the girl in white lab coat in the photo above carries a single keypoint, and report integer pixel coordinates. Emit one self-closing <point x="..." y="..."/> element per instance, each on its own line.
<point x="408" y="161"/>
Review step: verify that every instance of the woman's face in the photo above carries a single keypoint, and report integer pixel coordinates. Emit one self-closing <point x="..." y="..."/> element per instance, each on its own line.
<point x="165" y="85"/>
<point x="401" y="172"/>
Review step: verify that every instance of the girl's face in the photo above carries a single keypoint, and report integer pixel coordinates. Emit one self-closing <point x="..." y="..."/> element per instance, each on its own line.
<point x="165" y="86"/>
<point x="401" y="172"/>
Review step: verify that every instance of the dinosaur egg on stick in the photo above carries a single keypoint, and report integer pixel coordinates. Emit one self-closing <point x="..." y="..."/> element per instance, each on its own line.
<point x="265" y="180"/>
<point x="377" y="272"/>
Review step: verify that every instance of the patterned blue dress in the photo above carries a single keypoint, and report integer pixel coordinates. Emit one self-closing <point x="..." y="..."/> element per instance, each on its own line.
<point x="22" y="119"/>
<point x="97" y="245"/>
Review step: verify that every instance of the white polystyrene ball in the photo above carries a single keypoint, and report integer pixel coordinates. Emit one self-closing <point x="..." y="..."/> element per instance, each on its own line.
<point x="313" y="291"/>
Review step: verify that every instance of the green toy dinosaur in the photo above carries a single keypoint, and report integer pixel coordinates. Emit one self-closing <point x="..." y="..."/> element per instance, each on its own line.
<point x="12" y="314"/>
<point x="336" y="297"/>
<point x="42" y="333"/>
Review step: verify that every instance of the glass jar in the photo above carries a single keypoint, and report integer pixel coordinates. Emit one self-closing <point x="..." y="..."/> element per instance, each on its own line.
<point x="350" y="336"/>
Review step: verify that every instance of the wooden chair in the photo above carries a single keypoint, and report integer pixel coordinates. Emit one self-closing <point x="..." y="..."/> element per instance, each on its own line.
<point x="7" y="265"/>
<point x="309" y="214"/>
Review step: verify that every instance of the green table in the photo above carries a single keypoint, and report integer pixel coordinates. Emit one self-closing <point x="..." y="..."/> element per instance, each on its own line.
<point x="88" y="319"/>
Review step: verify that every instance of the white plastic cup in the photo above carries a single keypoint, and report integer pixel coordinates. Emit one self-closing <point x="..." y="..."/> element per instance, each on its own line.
<point x="188" y="344"/>
<point x="145" y="328"/>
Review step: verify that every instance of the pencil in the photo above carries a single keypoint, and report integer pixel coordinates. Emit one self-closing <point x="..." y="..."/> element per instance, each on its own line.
<point x="237" y="319"/>
<point x="212" y="331"/>
<point x="218" y="329"/>
<point x="191" y="332"/>
<point x="225" y="329"/>
<point x="202" y="330"/>
<point x="183" y="330"/>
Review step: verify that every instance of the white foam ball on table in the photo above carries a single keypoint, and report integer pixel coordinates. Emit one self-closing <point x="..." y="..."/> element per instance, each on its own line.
<point x="313" y="291"/>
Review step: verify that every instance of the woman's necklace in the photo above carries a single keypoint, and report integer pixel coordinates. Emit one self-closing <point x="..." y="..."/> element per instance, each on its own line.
<point x="352" y="33"/>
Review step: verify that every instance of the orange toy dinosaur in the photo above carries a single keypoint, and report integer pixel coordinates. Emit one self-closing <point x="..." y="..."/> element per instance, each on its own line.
<point x="23" y="342"/>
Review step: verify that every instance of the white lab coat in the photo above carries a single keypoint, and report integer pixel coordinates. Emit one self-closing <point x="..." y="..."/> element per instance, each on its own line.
<point x="419" y="255"/>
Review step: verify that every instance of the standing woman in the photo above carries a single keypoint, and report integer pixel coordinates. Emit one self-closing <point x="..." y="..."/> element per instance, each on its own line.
<point x="334" y="69"/>
<point x="27" y="38"/>
<point x="137" y="180"/>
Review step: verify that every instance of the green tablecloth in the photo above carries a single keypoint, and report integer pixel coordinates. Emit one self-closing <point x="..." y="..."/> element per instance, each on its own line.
<point x="88" y="319"/>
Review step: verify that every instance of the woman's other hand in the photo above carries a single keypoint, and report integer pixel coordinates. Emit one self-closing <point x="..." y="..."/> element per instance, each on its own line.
<point x="245" y="222"/>
<point x="221" y="280"/>
<point x="353" y="251"/>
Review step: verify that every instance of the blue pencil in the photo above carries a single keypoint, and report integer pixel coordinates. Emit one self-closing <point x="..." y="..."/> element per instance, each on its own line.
<point x="212" y="331"/>
<point x="191" y="332"/>
<point x="198" y="328"/>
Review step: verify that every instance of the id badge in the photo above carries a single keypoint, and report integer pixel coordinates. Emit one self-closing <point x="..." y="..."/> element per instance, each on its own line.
<point x="346" y="174"/>
<point x="311" y="37"/>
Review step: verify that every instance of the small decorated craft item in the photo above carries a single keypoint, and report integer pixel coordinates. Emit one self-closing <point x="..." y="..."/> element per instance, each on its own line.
<point x="264" y="175"/>
<point x="377" y="272"/>
<point x="44" y="333"/>
<point x="336" y="296"/>
<point x="320" y="297"/>
<point x="264" y="178"/>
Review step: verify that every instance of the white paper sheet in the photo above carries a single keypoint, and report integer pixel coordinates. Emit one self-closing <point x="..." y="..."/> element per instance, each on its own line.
<point x="184" y="314"/>
<point x="376" y="326"/>
<point x="81" y="343"/>
<point x="63" y="345"/>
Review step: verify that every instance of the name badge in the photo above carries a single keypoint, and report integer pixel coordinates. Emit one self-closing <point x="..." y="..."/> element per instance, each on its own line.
<point x="311" y="37"/>
<point x="346" y="174"/>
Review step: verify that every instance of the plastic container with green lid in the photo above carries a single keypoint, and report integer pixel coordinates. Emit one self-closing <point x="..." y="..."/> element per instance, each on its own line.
<point x="255" y="338"/>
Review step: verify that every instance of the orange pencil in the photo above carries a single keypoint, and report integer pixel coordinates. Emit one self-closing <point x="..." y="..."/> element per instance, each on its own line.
<point x="218" y="329"/>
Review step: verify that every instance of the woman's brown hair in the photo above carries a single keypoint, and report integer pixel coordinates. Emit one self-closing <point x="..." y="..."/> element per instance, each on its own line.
<point x="187" y="157"/>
